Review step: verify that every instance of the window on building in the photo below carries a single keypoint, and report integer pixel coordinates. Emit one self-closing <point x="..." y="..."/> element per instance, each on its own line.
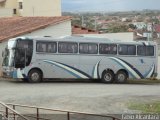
<point x="14" y="11"/>
<point x="127" y="50"/>
<point x="88" y="48"/>
<point x="145" y="50"/>
<point x="48" y="47"/>
<point x="108" y="49"/>
<point x="20" y="5"/>
<point x="67" y="47"/>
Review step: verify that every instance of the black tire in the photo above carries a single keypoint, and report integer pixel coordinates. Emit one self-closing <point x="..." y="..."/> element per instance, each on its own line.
<point x="121" y="77"/>
<point x="35" y="76"/>
<point x="107" y="77"/>
<point x="25" y="80"/>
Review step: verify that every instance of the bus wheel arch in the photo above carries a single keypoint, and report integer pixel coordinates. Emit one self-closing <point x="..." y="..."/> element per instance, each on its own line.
<point x="35" y="75"/>
<point x="107" y="76"/>
<point x="121" y="76"/>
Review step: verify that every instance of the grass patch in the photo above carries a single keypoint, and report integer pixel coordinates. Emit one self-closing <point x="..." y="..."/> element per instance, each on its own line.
<point x="146" y="107"/>
<point x="143" y="81"/>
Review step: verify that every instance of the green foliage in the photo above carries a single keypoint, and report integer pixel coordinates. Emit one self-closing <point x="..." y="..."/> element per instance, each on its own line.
<point x="146" y="108"/>
<point x="118" y="28"/>
<point x="132" y="26"/>
<point x="76" y="22"/>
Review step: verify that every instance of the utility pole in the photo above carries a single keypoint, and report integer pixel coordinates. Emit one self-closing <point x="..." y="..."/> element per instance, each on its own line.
<point x="95" y="24"/>
<point x="152" y="31"/>
<point x="82" y="24"/>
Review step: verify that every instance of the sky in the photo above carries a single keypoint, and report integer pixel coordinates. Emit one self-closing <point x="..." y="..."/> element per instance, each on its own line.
<point x="108" y="5"/>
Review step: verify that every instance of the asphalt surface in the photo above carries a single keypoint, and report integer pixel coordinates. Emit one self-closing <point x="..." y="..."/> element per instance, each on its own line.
<point x="79" y="96"/>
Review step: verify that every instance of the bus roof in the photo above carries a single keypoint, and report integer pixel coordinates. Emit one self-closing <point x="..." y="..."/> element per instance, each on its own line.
<point x="86" y="39"/>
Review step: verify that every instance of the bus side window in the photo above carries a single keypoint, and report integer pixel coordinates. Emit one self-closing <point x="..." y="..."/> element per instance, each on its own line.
<point x="41" y="47"/>
<point x="67" y="47"/>
<point x="88" y="48"/>
<point x="83" y="48"/>
<point x="149" y="51"/>
<point x="51" y="47"/>
<point x="131" y="50"/>
<point x="93" y="49"/>
<point x="122" y="49"/>
<point x="141" y="50"/>
<point x="127" y="50"/>
<point x="108" y="49"/>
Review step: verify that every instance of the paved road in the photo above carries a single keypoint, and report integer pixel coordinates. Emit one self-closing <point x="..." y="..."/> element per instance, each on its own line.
<point x="79" y="96"/>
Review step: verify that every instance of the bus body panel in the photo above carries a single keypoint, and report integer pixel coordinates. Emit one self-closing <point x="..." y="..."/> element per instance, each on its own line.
<point x="87" y="66"/>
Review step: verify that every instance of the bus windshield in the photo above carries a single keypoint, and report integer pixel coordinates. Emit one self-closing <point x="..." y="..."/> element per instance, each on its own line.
<point x="23" y="53"/>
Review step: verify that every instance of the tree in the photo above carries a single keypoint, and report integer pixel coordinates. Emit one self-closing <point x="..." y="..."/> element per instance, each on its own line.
<point x="132" y="26"/>
<point x="118" y="28"/>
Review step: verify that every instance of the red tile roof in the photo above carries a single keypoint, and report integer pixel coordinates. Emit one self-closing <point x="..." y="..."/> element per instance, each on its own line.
<point x="157" y="28"/>
<point x="2" y="0"/>
<point x="16" y="26"/>
<point x="82" y="30"/>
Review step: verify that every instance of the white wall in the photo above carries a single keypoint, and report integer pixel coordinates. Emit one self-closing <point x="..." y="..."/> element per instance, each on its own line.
<point x="6" y="12"/>
<point x="128" y="36"/>
<point x="62" y="29"/>
<point x="41" y="8"/>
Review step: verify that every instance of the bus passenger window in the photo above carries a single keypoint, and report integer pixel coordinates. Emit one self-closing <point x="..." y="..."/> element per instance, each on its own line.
<point x="88" y="48"/>
<point x="145" y="50"/>
<point x="93" y="49"/>
<point x="52" y="47"/>
<point x="41" y="47"/>
<point x="108" y="49"/>
<point x="149" y="51"/>
<point x="127" y="50"/>
<point x="131" y="50"/>
<point x="67" y="47"/>
<point x="123" y="50"/>
<point x="141" y="50"/>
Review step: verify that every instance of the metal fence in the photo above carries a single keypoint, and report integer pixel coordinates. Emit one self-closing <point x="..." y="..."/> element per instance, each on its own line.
<point x="39" y="113"/>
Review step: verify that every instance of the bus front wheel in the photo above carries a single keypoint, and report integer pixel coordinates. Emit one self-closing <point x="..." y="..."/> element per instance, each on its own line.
<point x="107" y="76"/>
<point x="35" y="76"/>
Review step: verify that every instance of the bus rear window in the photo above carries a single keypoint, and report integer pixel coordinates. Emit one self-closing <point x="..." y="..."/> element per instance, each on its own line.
<point x="145" y="50"/>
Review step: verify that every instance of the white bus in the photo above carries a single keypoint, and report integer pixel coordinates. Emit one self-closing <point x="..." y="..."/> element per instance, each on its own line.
<point x="34" y="59"/>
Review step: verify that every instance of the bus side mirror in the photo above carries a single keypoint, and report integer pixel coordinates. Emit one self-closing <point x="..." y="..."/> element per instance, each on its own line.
<point x="3" y="54"/>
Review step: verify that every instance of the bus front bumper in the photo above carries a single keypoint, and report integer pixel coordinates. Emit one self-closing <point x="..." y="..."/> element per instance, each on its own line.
<point x="12" y="73"/>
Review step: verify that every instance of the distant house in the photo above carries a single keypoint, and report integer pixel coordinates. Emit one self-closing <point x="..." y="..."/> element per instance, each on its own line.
<point x="32" y="26"/>
<point x="150" y="26"/>
<point x="140" y="25"/>
<point x="157" y="28"/>
<point x="82" y="30"/>
<point x="9" y="8"/>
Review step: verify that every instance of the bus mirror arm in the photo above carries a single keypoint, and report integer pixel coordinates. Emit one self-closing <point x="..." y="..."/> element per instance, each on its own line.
<point x="25" y="57"/>
<point x="2" y="53"/>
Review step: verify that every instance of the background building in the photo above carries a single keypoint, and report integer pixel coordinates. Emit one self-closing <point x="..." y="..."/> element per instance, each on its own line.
<point x="9" y="8"/>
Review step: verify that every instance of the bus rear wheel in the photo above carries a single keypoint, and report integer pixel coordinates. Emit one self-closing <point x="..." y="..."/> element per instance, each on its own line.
<point x="35" y="76"/>
<point x="107" y="77"/>
<point x="121" y="77"/>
